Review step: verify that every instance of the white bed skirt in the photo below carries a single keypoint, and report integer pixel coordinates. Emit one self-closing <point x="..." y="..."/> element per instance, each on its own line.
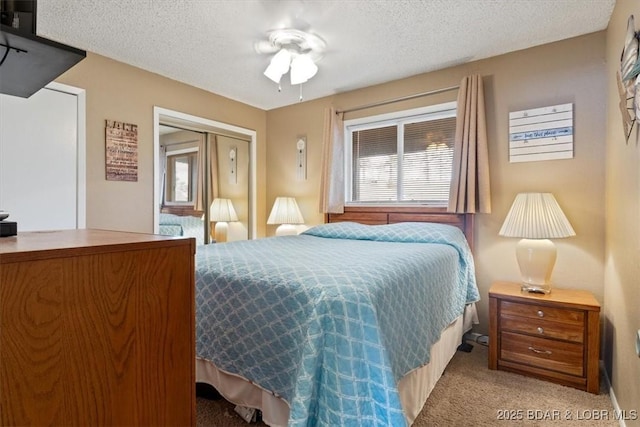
<point x="414" y="388"/>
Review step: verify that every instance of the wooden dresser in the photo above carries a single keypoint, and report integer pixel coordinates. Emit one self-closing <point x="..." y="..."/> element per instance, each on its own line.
<point x="97" y="328"/>
<point x="555" y="337"/>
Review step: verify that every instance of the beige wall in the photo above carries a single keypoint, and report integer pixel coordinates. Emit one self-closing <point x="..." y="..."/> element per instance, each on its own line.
<point x="571" y="71"/>
<point x="622" y="257"/>
<point x="117" y="91"/>
<point x="568" y="71"/>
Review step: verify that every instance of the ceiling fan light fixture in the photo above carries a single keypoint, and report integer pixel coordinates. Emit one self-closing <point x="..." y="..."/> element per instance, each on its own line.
<point x="278" y="66"/>
<point x="302" y="69"/>
<point x="296" y="51"/>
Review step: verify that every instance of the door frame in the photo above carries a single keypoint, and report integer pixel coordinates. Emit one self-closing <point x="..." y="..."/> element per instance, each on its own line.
<point x="202" y="125"/>
<point x="81" y="149"/>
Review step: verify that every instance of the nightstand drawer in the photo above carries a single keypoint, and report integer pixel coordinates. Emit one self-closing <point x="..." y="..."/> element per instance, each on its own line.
<point x="535" y="311"/>
<point x="543" y="328"/>
<point x="543" y="353"/>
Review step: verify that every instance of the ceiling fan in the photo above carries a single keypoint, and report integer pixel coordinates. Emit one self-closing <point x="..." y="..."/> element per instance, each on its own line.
<point x="294" y="50"/>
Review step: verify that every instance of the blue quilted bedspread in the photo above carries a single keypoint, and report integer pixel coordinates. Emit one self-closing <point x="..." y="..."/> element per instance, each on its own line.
<point x="187" y="226"/>
<point x="330" y="320"/>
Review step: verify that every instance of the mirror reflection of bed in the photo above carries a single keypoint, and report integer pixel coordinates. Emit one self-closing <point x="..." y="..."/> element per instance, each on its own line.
<point x="172" y="224"/>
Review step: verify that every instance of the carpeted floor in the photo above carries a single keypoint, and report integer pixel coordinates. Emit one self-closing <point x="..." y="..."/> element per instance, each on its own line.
<point x="469" y="394"/>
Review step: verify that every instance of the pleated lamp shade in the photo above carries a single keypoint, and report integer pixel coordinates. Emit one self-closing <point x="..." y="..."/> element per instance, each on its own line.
<point x="536" y="218"/>
<point x="221" y="212"/>
<point x="285" y="211"/>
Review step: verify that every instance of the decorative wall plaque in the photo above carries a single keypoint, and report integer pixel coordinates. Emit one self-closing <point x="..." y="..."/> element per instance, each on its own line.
<point x="628" y="79"/>
<point x="121" y="147"/>
<point x="541" y="134"/>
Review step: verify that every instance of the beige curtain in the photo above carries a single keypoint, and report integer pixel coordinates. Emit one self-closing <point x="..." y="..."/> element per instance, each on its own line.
<point x="212" y="185"/>
<point x="332" y="178"/>
<point x="200" y="200"/>
<point x="203" y="201"/>
<point x="470" y="192"/>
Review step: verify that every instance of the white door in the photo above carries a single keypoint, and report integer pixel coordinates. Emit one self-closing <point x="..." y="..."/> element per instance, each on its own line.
<point x="39" y="150"/>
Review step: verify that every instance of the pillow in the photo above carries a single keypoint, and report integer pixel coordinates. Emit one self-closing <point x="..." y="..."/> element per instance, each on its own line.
<point x="167" y="218"/>
<point x="410" y="232"/>
<point x="170" y="230"/>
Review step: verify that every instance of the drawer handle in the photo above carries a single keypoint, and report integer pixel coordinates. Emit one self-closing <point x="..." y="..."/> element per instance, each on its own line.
<point x="540" y="330"/>
<point x="540" y="313"/>
<point x="535" y="350"/>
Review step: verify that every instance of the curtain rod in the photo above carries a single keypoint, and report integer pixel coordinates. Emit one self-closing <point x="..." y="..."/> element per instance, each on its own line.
<point x="404" y="98"/>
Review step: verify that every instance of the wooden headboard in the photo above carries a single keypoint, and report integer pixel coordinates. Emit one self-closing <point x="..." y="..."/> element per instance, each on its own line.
<point x="391" y="215"/>
<point x="181" y="210"/>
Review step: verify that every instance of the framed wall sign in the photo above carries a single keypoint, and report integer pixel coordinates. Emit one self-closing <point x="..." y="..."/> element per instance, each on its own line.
<point x="541" y="134"/>
<point x="121" y="151"/>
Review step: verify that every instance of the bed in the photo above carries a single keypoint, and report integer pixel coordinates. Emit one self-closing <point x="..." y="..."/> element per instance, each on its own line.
<point x="182" y="225"/>
<point x="345" y="324"/>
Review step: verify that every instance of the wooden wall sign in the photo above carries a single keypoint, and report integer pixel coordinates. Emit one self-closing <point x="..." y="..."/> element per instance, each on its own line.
<point x="541" y="134"/>
<point x="121" y="146"/>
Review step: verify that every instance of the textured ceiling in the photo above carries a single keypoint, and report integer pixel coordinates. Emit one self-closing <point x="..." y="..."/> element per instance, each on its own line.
<point x="210" y="43"/>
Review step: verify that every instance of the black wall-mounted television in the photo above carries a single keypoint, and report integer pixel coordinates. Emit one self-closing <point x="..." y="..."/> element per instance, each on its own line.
<point x="19" y="15"/>
<point x="29" y="62"/>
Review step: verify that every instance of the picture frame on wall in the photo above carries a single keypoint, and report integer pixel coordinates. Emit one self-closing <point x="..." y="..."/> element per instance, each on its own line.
<point x="121" y="151"/>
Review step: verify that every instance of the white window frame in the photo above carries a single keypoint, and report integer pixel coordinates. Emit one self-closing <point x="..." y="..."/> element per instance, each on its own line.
<point x="399" y="118"/>
<point x="168" y="154"/>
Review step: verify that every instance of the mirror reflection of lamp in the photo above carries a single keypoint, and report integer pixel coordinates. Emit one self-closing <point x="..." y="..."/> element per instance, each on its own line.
<point x="285" y="212"/>
<point x="222" y="212"/>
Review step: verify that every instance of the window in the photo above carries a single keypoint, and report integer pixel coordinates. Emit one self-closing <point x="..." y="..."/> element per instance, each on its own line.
<point x="401" y="158"/>
<point x="182" y="175"/>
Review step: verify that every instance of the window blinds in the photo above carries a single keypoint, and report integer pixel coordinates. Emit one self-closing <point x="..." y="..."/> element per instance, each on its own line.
<point x="403" y="162"/>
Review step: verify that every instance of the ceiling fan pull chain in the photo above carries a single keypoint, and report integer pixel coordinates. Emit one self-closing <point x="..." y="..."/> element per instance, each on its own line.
<point x="300" y="92"/>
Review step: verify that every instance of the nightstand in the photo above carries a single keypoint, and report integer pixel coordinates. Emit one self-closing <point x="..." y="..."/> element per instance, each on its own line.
<point x="554" y="337"/>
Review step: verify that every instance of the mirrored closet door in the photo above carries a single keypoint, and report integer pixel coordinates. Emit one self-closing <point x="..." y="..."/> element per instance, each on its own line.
<point x="204" y="182"/>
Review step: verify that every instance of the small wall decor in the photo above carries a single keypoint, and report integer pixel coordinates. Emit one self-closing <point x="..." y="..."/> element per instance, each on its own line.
<point x="301" y="158"/>
<point x="541" y="134"/>
<point x="233" y="163"/>
<point x="628" y="79"/>
<point x="121" y="147"/>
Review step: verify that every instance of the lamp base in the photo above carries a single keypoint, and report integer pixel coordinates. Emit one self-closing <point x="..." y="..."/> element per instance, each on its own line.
<point x="286" y="230"/>
<point x="221" y="230"/>
<point x="536" y="258"/>
<point x="536" y="289"/>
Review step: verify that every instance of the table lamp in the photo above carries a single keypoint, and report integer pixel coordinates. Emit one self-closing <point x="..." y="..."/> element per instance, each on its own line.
<point x="536" y="218"/>
<point x="222" y="212"/>
<point x="285" y="212"/>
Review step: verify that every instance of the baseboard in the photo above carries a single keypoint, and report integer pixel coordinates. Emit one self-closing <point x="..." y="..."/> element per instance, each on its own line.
<point x="612" y="395"/>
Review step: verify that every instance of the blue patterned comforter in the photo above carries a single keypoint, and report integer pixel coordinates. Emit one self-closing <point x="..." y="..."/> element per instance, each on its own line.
<point x="187" y="226"/>
<point x="330" y="320"/>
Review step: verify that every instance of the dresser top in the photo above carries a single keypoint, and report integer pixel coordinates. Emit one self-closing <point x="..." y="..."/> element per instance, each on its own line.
<point x="61" y="243"/>
<point x="558" y="296"/>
